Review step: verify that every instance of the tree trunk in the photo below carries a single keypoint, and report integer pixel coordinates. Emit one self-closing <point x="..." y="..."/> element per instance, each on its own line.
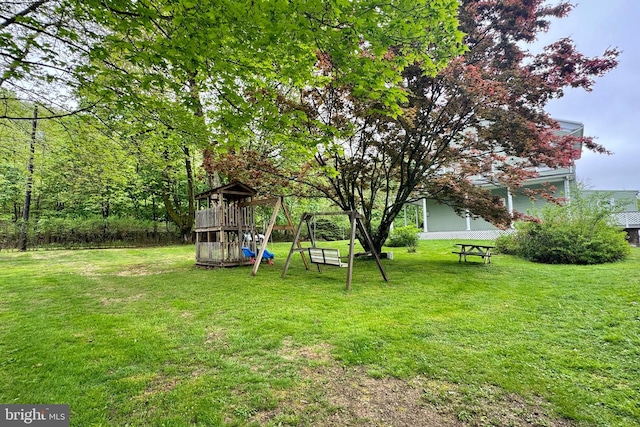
<point x="22" y="244"/>
<point x="172" y="206"/>
<point x="213" y="177"/>
<point x="190" y="183"/>
<point x="386" y="221"/>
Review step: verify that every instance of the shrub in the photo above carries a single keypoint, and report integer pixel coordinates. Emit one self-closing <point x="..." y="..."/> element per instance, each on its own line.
<point x="579" y="232"/>
<point x="88" y="232"/>
<point x="327" y="230"/>
<point x="508" y="244"/>
<point x="404" y="237"/>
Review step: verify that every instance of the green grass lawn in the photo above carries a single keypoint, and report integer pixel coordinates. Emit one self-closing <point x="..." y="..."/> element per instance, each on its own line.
<point x="143" y="337"/>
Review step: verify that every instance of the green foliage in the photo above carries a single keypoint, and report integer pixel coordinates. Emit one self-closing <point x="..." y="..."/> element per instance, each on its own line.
<point x="508" y="244"/>
<point x="42" y="45"/>
<point x="93" y="231"/>
<point x="404" y="237"/>
<point x="278" y="44"/>
<point x="85" y="170"/>
<point x="328" y="230"/>
<point x="12" y="184"/>
<point x="164" y="88"/>
<point x="492" y="92"/>
<point x="579" y="232"/>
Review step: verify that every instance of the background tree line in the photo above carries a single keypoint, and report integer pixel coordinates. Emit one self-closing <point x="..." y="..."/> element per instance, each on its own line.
<point x="90" y="187"/>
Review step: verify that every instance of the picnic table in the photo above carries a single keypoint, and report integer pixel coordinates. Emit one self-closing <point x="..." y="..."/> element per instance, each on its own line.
<point x="474" y="249"/>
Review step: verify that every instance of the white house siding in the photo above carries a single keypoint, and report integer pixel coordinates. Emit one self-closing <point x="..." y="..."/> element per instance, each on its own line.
<point x="442" y="218"/>
<point x="443" y="223"/>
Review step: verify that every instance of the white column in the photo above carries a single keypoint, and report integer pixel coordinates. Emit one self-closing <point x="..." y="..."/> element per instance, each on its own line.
<point x="510" y="204"/>
<point x="424" y="215"/>
<point x="468" y="217"/>
<point x="567" y="188"/>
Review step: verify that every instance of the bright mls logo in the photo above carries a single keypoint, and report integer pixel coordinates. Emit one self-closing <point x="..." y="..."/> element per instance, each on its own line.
<point x="34" y="415"/>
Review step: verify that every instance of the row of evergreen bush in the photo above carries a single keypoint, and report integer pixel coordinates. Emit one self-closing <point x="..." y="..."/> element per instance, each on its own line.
<point x="89" y="232"/>
<point x="117" y="231"/>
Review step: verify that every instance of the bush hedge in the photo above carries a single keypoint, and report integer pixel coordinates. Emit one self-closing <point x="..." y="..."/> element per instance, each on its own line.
<point x="89" y="232"/>
<point x="580" y="232"/>
<point x="404" y="237"/>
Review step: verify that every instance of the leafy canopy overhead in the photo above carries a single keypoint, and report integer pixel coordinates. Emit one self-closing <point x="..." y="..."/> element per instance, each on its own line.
<point x="50" y="47"/>
<point x="167" y="77"/>
<point x="232" y="51"/>
<point x="481" y="116"/>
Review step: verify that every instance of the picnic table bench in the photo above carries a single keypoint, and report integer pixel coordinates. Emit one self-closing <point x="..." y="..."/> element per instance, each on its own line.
<point x="473" y="249"/>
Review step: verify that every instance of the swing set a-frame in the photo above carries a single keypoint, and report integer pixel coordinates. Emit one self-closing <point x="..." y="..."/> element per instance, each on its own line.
<point x="331" y="257"/>
<point x="277" y="203"/>
<point x="226" y="234"/>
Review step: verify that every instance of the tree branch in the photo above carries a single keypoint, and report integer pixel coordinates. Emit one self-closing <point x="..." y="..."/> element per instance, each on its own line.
<point x="25" y="12"/>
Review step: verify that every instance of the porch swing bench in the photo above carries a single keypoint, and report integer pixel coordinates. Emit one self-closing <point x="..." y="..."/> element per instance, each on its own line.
<point x="326" y="256"/>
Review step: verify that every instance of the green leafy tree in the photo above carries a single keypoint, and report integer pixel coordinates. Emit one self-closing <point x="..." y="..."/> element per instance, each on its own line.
<point x="481" y="116"/>
<point x="163" y="66"/>
<point x="179" y="76"/>
<point x="14" y="152"/>
<point x="581" y="231"/>
<point x="43" y="45"/>
<point x="87" y="170"/>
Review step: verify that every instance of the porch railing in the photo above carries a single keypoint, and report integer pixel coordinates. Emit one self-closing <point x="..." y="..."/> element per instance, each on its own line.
<point x="223" y="216"/>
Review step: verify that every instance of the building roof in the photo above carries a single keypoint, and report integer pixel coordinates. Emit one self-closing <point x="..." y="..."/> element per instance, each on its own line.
<point x="233" y="190"/>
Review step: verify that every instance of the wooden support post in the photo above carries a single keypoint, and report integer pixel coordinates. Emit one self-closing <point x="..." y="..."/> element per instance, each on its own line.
<point x="240" y="224"/>
<point x="373" y="250"/>
<point x="352" y="220"/>
<point x="292" y="228"/>
<point x="278" y="203"/>
<point x="312" y="235"/>
<point x="274" y="216"/>
<point x="355" y="221"/>
<point x="296" y="239"/>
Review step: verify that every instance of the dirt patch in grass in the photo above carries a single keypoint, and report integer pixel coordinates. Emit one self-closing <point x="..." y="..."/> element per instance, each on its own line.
<point x="317" y="353"/>
<point x="48" y="255"/>
<point x="359" y="399"/>
<point x="84" y="269"/>
<point x="132" y="270"/>
<point x="334" y="395"/>
<point x="138" y="270"/>
<point x="161" y="384"/>
<point x="215" y="337"/>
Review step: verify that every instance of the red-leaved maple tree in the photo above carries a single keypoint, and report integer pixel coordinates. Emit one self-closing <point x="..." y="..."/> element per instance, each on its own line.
<point x="482" y="115"/>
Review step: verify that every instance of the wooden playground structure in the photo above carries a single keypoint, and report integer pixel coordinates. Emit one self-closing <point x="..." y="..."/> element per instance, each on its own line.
<point x="226" y="233"/>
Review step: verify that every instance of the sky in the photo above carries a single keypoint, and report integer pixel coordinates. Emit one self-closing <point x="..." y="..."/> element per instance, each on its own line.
<point x="611" y="111"/>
